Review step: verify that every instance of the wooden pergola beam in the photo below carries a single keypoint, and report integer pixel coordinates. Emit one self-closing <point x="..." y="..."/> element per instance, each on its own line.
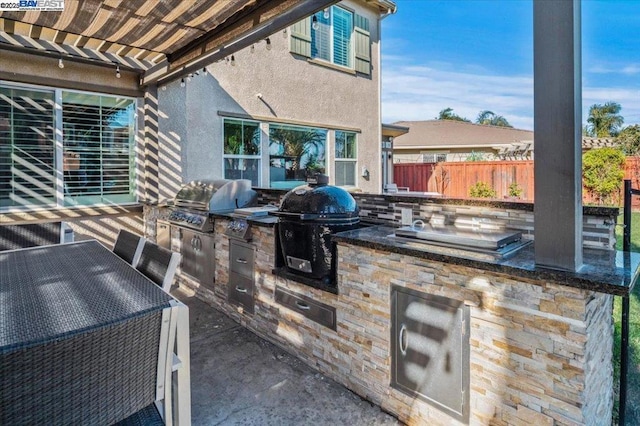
<point x="230" y="37"/>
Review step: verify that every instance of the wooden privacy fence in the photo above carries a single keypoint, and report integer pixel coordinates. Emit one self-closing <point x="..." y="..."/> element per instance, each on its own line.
<point x="454" y="179"/>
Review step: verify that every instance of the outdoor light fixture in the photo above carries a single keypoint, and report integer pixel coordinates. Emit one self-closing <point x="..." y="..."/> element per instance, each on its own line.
<point x="326" y="13"/>
<point x="268" y="43"/>
<point x="253" y="48"/>
<point x="189" y="78"/>
<point x="118" y="71"/>
<point x="60" y="64"/>
<point x="182" y="83"/>
<point x="204" y="70"/>
<point x="284" y="33"/>
<point x="233" y="61"/>
<point x="314" y="22"/>
<point x="164" y="88"/>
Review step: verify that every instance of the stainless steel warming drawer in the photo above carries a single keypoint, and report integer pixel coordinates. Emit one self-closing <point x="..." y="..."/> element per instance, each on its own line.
<point x="315" y="311"/>
<point x="241" y="259"/>
<point x="241" y="286"/>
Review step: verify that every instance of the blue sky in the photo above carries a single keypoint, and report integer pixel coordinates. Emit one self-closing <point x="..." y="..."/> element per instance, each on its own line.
<point x="472" y="55"/>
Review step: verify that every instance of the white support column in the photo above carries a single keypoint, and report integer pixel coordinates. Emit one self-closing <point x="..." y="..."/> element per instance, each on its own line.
<point x="557" y="125"/>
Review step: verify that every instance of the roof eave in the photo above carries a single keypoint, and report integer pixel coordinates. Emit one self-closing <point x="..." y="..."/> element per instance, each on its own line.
<point x="386" y="6"/>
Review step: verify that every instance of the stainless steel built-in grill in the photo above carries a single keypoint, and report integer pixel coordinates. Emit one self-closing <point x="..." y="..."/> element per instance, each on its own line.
<point x="499" y="243"/>
<point x="191" y="211"/>
<point x="197" y="199"/>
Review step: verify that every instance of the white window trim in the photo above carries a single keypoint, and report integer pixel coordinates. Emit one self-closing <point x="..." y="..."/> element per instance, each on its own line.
<point x="326" y="144"/>
<point x="352" y="55"/>
<point x="59" y="150"/>
<point x="259" y="157"/>
<point x="354" y="160"/>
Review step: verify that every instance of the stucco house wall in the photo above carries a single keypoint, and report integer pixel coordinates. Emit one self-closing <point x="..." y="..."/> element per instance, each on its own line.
<point x="293" y="89"/>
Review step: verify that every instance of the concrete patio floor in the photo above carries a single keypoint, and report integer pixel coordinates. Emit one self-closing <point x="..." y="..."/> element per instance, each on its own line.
<point x="238" y="378"/>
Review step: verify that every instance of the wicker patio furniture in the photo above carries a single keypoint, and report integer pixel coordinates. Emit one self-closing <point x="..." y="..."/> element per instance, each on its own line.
<point x="129" y="246"/>
<point x="87" y="339"/>
<point x="158" y="264"/>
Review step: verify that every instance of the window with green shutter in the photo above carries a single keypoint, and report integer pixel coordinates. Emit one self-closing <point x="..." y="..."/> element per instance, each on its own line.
<point x="335" y="35"/>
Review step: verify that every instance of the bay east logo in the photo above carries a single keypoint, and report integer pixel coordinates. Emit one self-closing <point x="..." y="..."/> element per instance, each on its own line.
<point x="41" y="4"/>
<point x="38" y="5"/>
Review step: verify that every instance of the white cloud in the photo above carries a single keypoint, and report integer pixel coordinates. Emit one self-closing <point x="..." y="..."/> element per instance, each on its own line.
<point x="627" y="98"/>
<point x="630" y="69"/>
<point x="419" y="92"/>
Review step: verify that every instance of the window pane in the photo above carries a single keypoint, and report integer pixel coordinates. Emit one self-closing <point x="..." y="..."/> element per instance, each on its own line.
<point x="342" y="29"/>
<point x="321" y="37"/>
<point x="345" y="144"/>
<point x="241" y="137"/>
<point x="242" y="168"/>
<point x="27" y="154"/>
<point x="294" y="154"/>
<point x="99" y="164"/>
<point x="345" y="173"/>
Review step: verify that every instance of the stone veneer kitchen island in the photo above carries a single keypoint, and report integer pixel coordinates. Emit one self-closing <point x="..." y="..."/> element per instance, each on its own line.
<point x="540" y="341"/>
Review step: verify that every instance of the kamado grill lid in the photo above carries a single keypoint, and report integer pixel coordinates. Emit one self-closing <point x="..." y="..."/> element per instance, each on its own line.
<point x="317" y="200"/>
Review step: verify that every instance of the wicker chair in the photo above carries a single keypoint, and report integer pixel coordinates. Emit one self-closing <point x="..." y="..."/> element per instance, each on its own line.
<point x="29" y="235"/>
<point x="129" y="246"/>
<point x="158" y="264"/>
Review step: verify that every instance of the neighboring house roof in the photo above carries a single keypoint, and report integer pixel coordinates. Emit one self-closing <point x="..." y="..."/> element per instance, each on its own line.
<point x="431" y="134"/>
<point x="452" y="134"/>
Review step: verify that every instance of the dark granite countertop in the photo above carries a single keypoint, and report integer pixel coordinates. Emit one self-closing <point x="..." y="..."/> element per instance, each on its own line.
<point x="606" y="271"/>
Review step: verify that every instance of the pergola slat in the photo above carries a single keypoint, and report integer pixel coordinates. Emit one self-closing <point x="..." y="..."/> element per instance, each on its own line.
<point x="146" y="33"/>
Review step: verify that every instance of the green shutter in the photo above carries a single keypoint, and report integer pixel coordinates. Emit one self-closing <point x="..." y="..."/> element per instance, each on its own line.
<point x="362" y="42"/>
<point x="301" y="37"/>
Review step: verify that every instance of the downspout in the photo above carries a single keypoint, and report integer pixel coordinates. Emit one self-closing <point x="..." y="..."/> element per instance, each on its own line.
<point x="391" y="9"/>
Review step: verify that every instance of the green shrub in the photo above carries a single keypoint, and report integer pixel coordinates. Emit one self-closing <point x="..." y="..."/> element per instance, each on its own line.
<point x="482" y="190"/>
<point x="475" y="156"/>
<point x="602" y="173"/>
<point x="515" y="190"/>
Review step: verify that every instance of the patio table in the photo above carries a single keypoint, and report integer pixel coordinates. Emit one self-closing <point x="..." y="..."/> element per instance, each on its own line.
<point x="87" y="339"/>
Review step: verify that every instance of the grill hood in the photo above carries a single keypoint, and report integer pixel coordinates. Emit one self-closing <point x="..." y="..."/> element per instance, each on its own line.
<point x="317" y="200"/>
<point x="215" y="195"/>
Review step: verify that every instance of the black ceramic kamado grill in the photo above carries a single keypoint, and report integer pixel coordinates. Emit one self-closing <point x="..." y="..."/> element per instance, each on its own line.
<point x="308" y="216"/>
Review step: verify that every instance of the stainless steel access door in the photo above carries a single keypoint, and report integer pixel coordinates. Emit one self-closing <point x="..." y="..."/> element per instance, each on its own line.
<point x="163" y="234"/>
<point x="430" y="349"/>
<point x="198" y="260"/>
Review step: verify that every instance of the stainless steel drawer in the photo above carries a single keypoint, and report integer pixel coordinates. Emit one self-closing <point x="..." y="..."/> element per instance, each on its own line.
<point x="314" y="310"/>
<point x="241" y="259"/>
<point x="240" y="291"/>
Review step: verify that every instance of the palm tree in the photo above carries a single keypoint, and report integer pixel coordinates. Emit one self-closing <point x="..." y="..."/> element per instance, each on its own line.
<point x="492" y="119"/>
<point x="604" y="120"/>
<point x="447" y="114"/>
<point x="296" y="144"/>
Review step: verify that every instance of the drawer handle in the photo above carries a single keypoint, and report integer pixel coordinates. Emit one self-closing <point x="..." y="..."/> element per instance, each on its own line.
<point x="302" y="306"/>
<point x="241" y="289"/>
<point x="241" y="260"/>
<point x="403" y="339"/>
